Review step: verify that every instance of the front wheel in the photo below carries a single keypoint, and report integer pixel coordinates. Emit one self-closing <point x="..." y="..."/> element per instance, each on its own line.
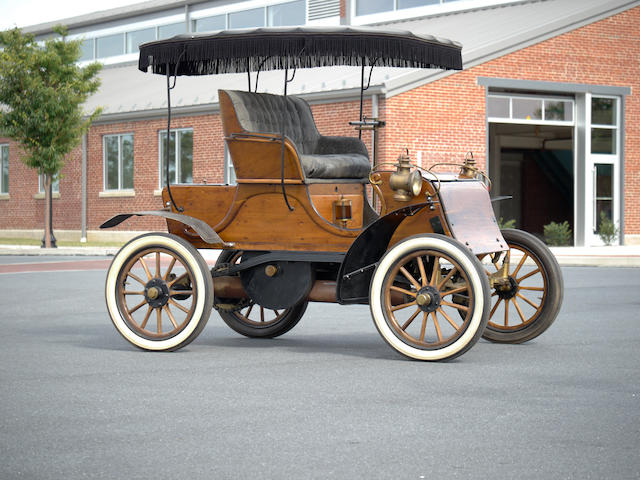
<point x="526" y="306"/>
<point x="159" y="292"/>
<point x="429" y="298"/>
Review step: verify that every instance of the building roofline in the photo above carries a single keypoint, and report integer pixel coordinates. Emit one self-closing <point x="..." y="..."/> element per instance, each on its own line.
<point x="472" y="58"/>
<point x="350" y="94"/>
<point x="118" y="13"/>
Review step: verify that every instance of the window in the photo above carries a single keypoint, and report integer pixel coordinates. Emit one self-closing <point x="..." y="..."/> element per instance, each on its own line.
<point x="138" y="37"/>
<point x="286" y="14"/>
<point x="416" y="3"/>
<point x="180" y="156"/>
<point x="603" y="180"/>
<point x="229" y="171"/>
<point x="247" y="18"/>
<point x="55" y="185"/>
<point x="118" y="162"/>
<point x="171" y="30"/>
<point x="530" y="109"/>
<point x="604" y="118"/>
<point x="110" y="46"/>
<point x="367" y="7"/>
<point x="209" y="24"/>
<point x="87" y="50"/>
<point x="4" y="169"/>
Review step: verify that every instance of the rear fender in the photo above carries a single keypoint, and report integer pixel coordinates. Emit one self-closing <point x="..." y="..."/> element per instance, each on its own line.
<point x="203" y="229"/>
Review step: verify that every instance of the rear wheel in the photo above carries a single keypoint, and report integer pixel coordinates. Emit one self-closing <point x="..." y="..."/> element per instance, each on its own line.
<point x="419" y="291"/>
<point x="529" y="304"/>
<point x="159" y="292"/>
<point x="251" y="319"/>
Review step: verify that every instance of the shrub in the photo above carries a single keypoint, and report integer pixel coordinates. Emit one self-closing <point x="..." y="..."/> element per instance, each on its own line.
<point x="508" y="224"/>
<point x="608" y="231"/>
<point x="558" y="234"/>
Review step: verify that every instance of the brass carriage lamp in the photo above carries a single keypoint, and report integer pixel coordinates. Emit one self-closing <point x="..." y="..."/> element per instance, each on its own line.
<point x="342" y="211"/>
<point x="468" y="169"/>
<point x="405" y="183"/>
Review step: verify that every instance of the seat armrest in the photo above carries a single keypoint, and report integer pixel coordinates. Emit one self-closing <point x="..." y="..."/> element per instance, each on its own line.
<point x="340" y="145"/>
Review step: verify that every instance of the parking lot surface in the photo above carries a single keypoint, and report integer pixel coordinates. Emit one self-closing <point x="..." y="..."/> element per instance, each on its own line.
<point x="327" y="400"/>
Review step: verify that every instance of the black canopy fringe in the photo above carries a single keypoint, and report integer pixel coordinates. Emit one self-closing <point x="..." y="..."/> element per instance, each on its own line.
<point x="276" y="48"/>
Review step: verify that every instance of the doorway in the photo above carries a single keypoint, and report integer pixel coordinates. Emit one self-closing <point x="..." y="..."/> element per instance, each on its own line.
<point x="533" y="163"/>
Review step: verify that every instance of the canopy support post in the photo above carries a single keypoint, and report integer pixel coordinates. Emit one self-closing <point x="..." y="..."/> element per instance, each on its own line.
<point x="363" y="88"/>
<point x="282" y="147"/>
<point x="169" y="88"/>
<point x="249" y="75"/>
<point x="361" y="96"/>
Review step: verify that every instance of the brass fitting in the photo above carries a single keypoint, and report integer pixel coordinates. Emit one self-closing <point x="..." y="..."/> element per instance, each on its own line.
<point x="468" y="168"/>
<point x="270" y="270"/>
<point x="342" y="211"/>
<point x="405" y="183"/>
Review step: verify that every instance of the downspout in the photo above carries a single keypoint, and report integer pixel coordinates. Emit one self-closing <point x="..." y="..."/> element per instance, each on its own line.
<point x="374" y="132"/>
<point x="187" y="18"/>
<point x="83" y="195"/>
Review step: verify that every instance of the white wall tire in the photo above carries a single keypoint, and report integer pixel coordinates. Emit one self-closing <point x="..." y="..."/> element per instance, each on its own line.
<point x="416" y="292"/>
<point x="159" y="292"/>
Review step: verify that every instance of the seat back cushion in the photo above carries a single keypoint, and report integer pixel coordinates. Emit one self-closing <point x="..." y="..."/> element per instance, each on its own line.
<point x="321" y="157"/>
<point x="264" y="112"/>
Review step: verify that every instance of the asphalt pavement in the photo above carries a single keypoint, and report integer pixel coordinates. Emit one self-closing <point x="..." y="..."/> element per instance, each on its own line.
<point x="327" y="400"/>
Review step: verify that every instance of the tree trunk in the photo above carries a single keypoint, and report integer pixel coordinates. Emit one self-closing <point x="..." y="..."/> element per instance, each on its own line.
<point x="49" y="241"/>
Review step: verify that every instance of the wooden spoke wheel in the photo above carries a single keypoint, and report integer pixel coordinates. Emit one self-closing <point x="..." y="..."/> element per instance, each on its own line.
<point x="159" y="292"/>
<point x="526" y="306"/>
<point x="251" y="319"/>
<point x="430" y="298"/>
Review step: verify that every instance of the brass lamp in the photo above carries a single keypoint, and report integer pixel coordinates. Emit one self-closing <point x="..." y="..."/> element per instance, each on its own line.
<point x="405" y="183"/>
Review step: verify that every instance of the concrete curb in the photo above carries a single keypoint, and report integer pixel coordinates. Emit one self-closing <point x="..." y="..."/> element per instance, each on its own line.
<point x="31" y="250"/>
<point x="613" y="256"/>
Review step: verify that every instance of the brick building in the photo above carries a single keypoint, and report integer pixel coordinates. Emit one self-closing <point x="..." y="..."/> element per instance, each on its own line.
<point x="547" y="102"/>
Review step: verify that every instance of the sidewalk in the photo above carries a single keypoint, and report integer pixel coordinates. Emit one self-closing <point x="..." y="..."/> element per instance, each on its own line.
<point x="614" y="256"/>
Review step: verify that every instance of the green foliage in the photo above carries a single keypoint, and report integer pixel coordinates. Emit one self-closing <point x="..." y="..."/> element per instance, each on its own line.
<point x="502" y="224"/>
<point x="607" y="230"/>
<point x="42" y="91"/>
<point x="558" y="234"/>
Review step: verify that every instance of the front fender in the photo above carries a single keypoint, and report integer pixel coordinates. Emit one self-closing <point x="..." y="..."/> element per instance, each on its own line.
<point x="203" y="229"/>
<point x="361" y="259"/>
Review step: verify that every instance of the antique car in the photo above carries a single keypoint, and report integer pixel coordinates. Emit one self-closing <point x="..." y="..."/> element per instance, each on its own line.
<point x="313" y="219"/>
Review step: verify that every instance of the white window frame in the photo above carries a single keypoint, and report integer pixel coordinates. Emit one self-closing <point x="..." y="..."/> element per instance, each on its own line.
<point x="422" y="11"/>
<point x="55" y="184"/>
<point x="104" y="162"/>
<point x="533" y="121"/>
<point x="593" y="159"/>
<point x="240" y="7"/>
<point x="229" y="169"/>
<point x="177" y="153"/>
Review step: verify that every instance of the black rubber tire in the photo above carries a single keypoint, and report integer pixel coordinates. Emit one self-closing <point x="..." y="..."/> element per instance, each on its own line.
<point x="286" y="320"/>
<point x="552" y="295"/>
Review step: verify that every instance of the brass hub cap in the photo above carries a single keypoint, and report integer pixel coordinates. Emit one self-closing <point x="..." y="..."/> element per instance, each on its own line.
<point x="428" y="299"/>
<point x="156" y="293"/>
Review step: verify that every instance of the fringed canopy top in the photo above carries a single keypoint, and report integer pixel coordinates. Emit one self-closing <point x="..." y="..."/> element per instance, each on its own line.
<point x="235" y="51"/>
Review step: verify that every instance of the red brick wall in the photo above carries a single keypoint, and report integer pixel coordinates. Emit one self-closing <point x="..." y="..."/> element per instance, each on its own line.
<point x="446" y="118"/>
<point x="208" y="165"/>
<point x="23" y="211"/>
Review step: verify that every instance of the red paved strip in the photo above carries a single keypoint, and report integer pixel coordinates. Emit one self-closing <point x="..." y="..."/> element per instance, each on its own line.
<point x="73" y="265"/>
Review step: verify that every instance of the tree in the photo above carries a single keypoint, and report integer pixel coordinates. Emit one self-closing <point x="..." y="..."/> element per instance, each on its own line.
<point x="42" y="91"/>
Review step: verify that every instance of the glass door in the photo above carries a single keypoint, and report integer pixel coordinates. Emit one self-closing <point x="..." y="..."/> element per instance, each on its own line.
<point x="602" y="170"/>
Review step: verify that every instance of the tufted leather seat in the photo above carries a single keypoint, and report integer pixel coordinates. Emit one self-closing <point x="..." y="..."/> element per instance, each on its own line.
<point x="321" y="157"/>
